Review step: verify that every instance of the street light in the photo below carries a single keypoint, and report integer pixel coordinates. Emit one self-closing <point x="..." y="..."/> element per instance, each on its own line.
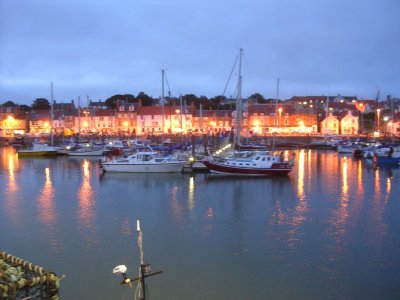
<point x="86" y="123"/>
<point x="361" y="108"/>
<point x="385" y="119"/>
<point x="280" y="115"/>
<point x="378" y="113"/>
<point x="178" y="113"/>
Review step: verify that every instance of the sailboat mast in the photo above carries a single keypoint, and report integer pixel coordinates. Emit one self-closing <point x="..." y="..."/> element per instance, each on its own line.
<point x="326" y="113"/>
<point x="239" y="104"/>
<point x="79" y="117"/>
<point x="201" y="118"/>
<point x="162" y="106"/>
<point x="51" y="114"/>
<point x="276" y="109"/>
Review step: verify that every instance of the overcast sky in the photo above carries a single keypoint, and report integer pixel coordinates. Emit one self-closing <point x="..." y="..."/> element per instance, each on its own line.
<point x="101" y="48"/>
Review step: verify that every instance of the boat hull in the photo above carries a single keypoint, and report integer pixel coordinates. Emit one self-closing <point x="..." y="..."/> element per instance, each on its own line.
<point x="28" y="153"/>
<point x="388" y="161"/>
<point x="143" y="168"/>
<point x="86" y="153"/>
<point x="282" y="168"/>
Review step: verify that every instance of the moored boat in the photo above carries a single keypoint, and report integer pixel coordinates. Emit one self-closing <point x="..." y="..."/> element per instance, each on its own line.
<point x="257" y="163"/>
<point x="88" y="151"/>
<point x="37" y="150"/>
<point x="144" y="162"/>
<point x="388" y="155"/>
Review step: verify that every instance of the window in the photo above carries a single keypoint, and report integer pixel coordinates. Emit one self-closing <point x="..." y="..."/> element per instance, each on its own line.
<point x="121" y="108"/>
<point x="131" y="108"/>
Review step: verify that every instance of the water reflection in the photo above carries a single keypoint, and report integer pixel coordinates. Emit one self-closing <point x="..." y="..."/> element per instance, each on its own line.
<point x="293" y="218"/>
<point x="86" y="205"/>
<point x="46" y="210"/>
<point x="191" y="201"/>
<point x="331" y="218"/>
<point x="300" y="172"/>
<point x="12" y="200"/>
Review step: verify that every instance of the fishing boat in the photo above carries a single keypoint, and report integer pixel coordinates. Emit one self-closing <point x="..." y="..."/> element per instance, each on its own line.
<point x="388" y="155"/>
<point x="88" y="150"/>
<point x="346" y="147"/>
<point x="144" y="162"/>
<point x="37" y="149"/>
<point x="251" y="163"/>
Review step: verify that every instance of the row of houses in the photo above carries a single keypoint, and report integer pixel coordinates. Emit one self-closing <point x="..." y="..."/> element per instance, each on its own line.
<point x="298" y="115"/>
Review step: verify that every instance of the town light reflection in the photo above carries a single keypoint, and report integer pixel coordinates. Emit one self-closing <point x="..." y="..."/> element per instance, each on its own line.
<point x="300" y="167"/>
<point x="12" y="186"/>
<point x="191" y="194"/>
<point x="360" y="189"/>
<point x="86" y="205"/>
<point x="377" y="184"/>
<point x="46" y="210"/>
<point x="345" y="184"/>
<point x="12" y="200"/>
<point x="46" y="201"/>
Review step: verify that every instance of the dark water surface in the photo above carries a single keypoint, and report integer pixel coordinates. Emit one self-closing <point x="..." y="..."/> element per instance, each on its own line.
<point x="330" y="230"/>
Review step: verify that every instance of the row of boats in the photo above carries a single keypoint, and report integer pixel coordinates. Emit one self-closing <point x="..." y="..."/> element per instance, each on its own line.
<point x="136" y="157"/>
<point x="384" y="153"/>
<point x="253" y="163"/>
<point x="141" y="158"/>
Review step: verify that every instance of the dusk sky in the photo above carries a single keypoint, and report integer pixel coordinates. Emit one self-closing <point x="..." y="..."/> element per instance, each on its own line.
<point x="102" y="48"/>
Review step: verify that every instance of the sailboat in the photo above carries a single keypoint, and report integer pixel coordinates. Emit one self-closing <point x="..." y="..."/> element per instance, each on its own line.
<point x="41" y="149"/>
<point x="253" y="163"/>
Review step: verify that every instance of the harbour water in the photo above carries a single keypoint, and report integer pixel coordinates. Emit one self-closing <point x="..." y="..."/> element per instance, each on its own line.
<point x="329" y="230"/>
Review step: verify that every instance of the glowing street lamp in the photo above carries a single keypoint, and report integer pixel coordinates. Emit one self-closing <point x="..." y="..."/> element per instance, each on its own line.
<point x="280" y="115"/>
<point x="361" y="108"/>
<point x="378" y="113"/>
<point x="385" y="119"/>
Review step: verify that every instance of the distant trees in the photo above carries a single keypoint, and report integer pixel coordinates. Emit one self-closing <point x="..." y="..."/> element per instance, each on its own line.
<point x="41" y="104"/>
<point x="9" y="103"/>
<point x="219" y="102"/>
<point x="146" y="99"/>
<point x="25" y="108"/>
<point x="128" y="98"/>
<point x="113" y="100"/>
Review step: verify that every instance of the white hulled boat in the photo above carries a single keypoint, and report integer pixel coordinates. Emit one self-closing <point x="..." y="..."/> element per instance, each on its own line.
<point x="37" y="149"/>
<point x="259" y="163"/>
<point x="144" y="162"/>
<point x="88" y="150"/>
